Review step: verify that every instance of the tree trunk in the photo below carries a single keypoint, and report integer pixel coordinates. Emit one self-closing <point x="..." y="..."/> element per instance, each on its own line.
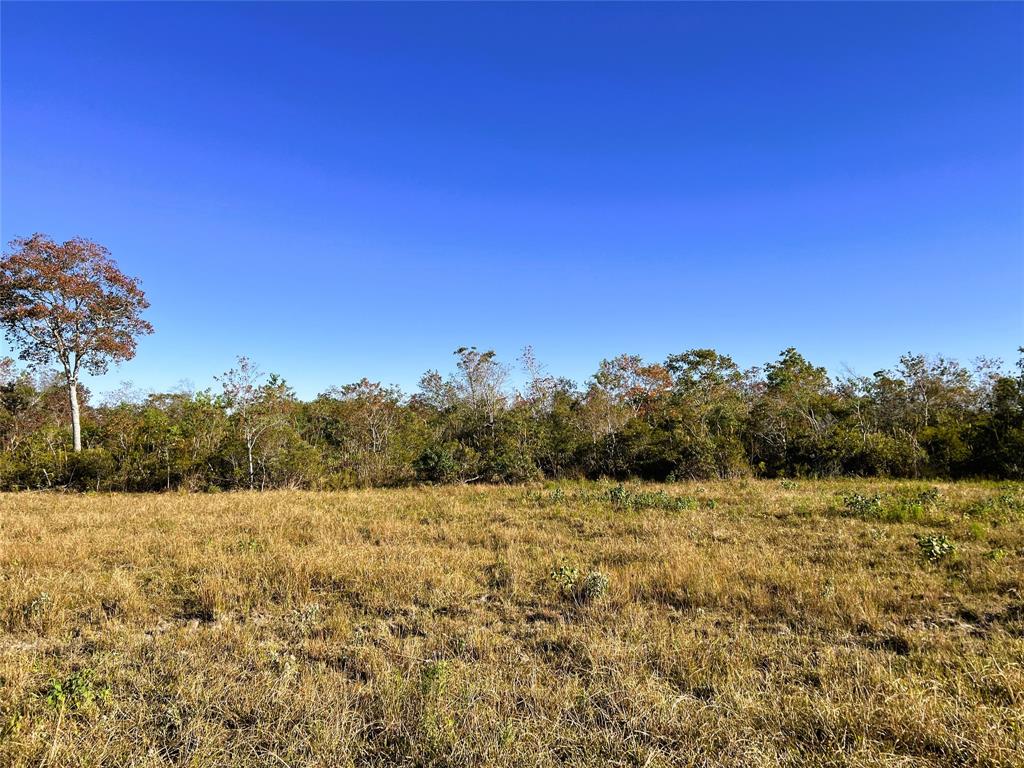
<point x="252" y="473"/>
<point x="76" y="423"/>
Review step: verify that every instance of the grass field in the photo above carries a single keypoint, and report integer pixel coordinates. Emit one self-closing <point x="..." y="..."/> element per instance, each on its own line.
<point x="754" y="623"/>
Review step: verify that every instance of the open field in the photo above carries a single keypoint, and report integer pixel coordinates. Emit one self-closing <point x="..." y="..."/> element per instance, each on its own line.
<point x="749" y="623"/>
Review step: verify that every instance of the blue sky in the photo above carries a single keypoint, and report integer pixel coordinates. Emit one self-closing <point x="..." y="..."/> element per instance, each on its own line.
<point x="347" y="190"/>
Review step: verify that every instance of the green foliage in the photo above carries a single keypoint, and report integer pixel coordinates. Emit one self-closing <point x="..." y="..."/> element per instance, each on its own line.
<point x="90" y="470"/>
<point x="863" y="506"/>
<point x="1007" y="505"/>
<point x="577" y="587"/>
<point x="565" y="578"/>
<point x="929" y="496"/>
<point x="935" y="547"/>
<point x="434" y="677"/>
<point x="75" y="692"/>
<point x="894" y="508"/>
<point x="624" y="499"/>
<point x="911" y="506"/>
<point x="441" y="464"/>
<point x="10" y="724"/>
<point x="697" y="415"/>
<point x="594" y="586"/>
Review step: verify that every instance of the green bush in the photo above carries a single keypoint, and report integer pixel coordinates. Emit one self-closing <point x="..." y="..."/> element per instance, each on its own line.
<point x="577" y="587"/>
<point x="437" y="465"/>
<point x="863" y="506"/>
<point x="91" y="470"/>
<point x="624" y="499"/>
<point x="76" y="692"/>
<point x="935" y="547"/>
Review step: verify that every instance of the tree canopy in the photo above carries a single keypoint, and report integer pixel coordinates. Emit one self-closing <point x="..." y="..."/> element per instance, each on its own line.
<point x="68" y="303"/>
<point x="694" y="415"/>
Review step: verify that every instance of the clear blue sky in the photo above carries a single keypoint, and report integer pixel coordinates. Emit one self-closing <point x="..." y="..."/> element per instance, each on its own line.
<point x="347" y="190"/>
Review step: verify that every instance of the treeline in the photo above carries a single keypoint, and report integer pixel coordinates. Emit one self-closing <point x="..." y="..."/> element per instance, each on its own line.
<point x="695" y="415"/>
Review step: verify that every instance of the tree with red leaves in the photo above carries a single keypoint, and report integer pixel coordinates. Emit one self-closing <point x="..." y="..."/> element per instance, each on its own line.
<point x="69" y="303"/>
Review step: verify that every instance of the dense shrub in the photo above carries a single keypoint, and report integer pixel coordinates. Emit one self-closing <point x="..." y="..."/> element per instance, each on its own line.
<point x="695" y="416"/>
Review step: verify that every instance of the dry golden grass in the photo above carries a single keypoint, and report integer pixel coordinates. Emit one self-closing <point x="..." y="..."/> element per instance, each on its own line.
<point x="779" y="626"/>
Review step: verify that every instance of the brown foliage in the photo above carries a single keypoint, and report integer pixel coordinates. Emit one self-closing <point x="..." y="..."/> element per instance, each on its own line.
<point x="69" y="303"/>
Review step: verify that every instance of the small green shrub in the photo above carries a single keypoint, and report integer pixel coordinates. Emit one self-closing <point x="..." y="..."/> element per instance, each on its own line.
<point x="438" y="464"/>
<point x="76" y="692"/>
<point x="434" y="678"/>
<point x="593" y="586"/>
<point x="863" y="506"/>
<point x="624" y="499"/>
<point x="565" y="578"/>
<point x="995" y="555"/>
<point x="1006" y="506"/>
<point x="619" y="496"/>
<point x="935" y="547"/>
<point x="577" y="587"/>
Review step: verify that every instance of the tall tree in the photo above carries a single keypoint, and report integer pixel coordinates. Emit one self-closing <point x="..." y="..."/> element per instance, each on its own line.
<point x="69" y="303"/>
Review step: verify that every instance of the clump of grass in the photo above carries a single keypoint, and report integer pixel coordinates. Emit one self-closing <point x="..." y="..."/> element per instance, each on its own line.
<point x="500" y="576"/>
<point x="593" y="587"/>
<point x="976" y="530"/>
<point x="434" y="676"/>
<point x="308" y="618"/>
<point x="35" y="612"/>
<point x="199" y="603"/>
<point x="249" y="545"/>
<point x="10" y="724"/>
<point x="912" y="506"/>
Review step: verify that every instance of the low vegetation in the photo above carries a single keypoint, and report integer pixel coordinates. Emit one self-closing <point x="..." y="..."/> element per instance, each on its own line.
<point x="733" y="623"/>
